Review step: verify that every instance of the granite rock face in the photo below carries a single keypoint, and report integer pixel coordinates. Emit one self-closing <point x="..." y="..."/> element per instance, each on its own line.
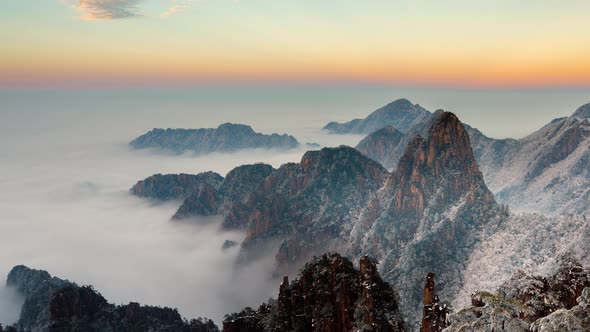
<point x="328" y="295"/>
<point x="55" y="305"/>
<point x="227" y="137"/>
<point x="429" y="214"/>
<point x="310" y="207"/>
<point x="400" y="113"/>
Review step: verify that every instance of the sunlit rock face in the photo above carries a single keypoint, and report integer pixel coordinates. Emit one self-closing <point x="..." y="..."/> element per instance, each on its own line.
<point x="429" y="214"/>
<point x="55" y="305"/>
<point x="227" y="137"/>
<point x="329" y="294"/>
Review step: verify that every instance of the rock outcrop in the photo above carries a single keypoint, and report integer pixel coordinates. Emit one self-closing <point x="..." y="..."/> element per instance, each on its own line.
<point x="434" y="313"/>
<point x="175" y="186"/>
<point x="227" y="137"/>
<point x="328" y="295"/>
<point x="55" y="305"/>
<point x="558" y="302"/>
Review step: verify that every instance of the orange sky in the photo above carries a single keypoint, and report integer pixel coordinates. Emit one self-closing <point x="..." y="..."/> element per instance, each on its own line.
<point x="490" y="44"/>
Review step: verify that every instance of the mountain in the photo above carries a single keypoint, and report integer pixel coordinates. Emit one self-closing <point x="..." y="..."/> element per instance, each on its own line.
<point x="401" y="114"/>
<point x="229" y="197"/>
<point x="545" y="172"/>
<point x="53" y="304"/>
<point x="525" y="303"/>
<point x="310" y="207"/>
<point x="429" y="214"/>
<point x="386" y="146"/>
<point x="328" y="295"/>
<point x="175" y="186"/>
<point x="227" y="137"/>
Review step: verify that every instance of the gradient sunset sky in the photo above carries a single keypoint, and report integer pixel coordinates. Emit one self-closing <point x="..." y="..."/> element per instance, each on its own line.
<point x="467" y="43"/>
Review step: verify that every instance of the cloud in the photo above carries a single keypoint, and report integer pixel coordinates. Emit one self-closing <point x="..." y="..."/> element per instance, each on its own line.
<point x="176" y="7"/>
<point x="91" y="10"/>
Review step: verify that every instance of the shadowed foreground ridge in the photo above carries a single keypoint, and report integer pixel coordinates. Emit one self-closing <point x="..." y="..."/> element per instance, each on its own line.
<point x="56" y="305"/>
<point x="328" y="295"/>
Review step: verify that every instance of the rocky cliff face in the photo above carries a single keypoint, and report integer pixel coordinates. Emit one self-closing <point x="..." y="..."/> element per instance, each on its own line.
<point x="53" y="304"/>
<point x="225" y="138"/>
<point x="401" y="114"/>
<point x="175" y="186"/>
<point x="429" y="214"/>
<point x="328" y="295"/>
<point x="310" y="207"/>
<point x="558" y="302"/>
<point x="229" y="197"/>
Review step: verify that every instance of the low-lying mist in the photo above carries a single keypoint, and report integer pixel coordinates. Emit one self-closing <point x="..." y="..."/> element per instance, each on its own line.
<point x="65" y="208"/>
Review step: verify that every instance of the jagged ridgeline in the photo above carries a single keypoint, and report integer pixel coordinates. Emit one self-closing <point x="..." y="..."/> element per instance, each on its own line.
<point x="227" y="137"/>
<point x="545" y="172"/>
<point x="56" y="305"/>
<point x="328" y="295"/>
<point x="425" y="216"/>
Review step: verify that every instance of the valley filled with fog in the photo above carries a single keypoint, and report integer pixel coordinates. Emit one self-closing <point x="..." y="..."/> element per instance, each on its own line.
<point x="65" y="206"/>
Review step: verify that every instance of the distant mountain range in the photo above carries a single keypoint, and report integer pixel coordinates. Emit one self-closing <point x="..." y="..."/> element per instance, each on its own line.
<point x="227" y="137"/>
<point x="545" y="172"/>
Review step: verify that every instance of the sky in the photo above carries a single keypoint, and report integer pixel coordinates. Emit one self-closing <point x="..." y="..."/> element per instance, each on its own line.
<point x="465" y="43"/>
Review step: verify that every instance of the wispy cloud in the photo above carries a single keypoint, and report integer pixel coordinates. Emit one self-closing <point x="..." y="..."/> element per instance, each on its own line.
<point x="91" y="10"/>
<point x="176" y="6"/>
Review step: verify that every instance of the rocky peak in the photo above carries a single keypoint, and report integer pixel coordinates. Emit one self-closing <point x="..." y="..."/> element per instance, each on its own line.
<point x="583" y="112"/>
<point x="311" y="205"/>
<point x="401" y="114"/>
<point x="328" y="295"/>
<point x="437" y="171"/>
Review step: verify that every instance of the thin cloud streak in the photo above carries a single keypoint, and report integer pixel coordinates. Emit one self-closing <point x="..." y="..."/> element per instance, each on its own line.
<point x="91" y="10"/>
<point x="176" y="7"/>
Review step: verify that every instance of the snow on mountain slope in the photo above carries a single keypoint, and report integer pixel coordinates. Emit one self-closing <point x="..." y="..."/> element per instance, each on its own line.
<point x="528" y="242"/>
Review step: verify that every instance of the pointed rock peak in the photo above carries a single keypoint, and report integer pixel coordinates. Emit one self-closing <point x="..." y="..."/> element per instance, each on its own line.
<point x="583" y="112"/>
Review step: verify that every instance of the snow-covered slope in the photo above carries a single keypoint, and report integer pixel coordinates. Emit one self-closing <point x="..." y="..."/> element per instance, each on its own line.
<point x="546" y="172"/>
